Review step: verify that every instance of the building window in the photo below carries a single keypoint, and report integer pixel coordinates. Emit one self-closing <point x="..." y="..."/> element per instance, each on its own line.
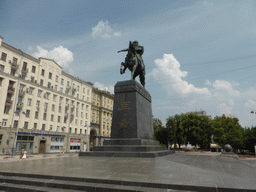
<point x="29" y="102"/>
<point x="88" y="92"/>
<point x="1" y="136"/>
<point x="41" y="82"/>
<point x="78" y="87"/>
<point x="50" y="75"/>
<point x="39" y="93"/>
<point x="76" y="122"/>
<point x="67" y="83"/>
<point x="2" y="68"/>
<point x="6" y="109"/>
<point x="23" y="75"/>
<point x="4" y="122"/>
<point x="56" y="87"/>
<point x="59" y="108"/>
<point x="3" y="57"/>
<point x="36" y="114"/>
<point x="87" y="107"/>
<point x="33" y="69"/>
<point x="62" y="82"/>
<point x="52" y="116"/>
<point x="24" y="66"/>
<point x="30" y="90"/>
<point x="25" y="125"/>
<point x="42" y="73"/>
<point x="49" y="85"/>
<point x="70" y="130"/>
<point x="58" y="128"/>
<point x="35" y="126"/>
<point x="43" y="127"/>
<point x="15" y="125"/>
<point x="57" y="78"/>
<point x="54" y="97"/>
<point x="50" y="128"/>
<point x="53" y="107"/>
<point x="13" y="72"/>
<point x="44" y="116"/>
<point x="61" y="89"/>
<point x="46" y="95"/>
<point x="58" y="119"/>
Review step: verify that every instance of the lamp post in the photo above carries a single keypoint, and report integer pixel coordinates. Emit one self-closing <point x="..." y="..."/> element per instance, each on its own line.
<point x="17" y="130"/>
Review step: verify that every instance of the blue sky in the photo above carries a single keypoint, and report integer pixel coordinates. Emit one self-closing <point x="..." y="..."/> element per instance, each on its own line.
<point x="198" y="54"/>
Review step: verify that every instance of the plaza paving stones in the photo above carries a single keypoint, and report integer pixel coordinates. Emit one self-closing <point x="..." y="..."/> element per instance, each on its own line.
<point x="184" y="171"/>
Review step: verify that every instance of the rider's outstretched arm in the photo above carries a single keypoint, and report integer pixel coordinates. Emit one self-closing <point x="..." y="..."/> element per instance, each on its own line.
<point x="123" y="50"/>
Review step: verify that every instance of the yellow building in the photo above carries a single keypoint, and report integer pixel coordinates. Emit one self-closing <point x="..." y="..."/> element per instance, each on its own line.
<point x="42" y="108"/>
<point x="101" y="114"/>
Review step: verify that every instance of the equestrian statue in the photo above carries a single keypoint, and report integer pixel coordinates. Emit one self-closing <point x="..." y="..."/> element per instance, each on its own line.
<point x="134" y="62"/>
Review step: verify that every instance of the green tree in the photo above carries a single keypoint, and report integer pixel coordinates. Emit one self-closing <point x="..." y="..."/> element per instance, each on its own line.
<point x="160" y="132"/>
<point x="227" y="130"/>
<point x="250" y="139"/>
<point x="175" y="130"/>
<point x="197" y="130"/>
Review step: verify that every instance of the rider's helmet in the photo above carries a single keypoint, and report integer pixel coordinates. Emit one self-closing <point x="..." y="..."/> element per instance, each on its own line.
<point x="135" y="42"/>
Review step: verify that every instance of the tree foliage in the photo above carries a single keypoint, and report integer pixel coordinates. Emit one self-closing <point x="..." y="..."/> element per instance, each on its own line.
<point x="160" y="132"/>
<point x="227" y="130"/>
<point x="250" y="139"/>
<point x="184" y="128"/>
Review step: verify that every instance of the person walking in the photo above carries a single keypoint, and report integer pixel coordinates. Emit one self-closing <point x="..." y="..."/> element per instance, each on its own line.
<point x="21" y="154"/>
<point x="24" y="155"/>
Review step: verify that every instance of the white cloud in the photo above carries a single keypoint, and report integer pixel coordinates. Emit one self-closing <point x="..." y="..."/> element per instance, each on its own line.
<point x="60" y="54"/>
<point x="168" y="69"/>
<point x="104" y="30"/>
<point x="224" y="86"/>
<point x="250" y="104"/>
<point x="104" y="88"/>
<point x="225" y="109"/>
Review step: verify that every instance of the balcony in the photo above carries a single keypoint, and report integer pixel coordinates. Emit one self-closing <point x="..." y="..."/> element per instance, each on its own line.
<point x="11" y="90"/>
<point x="72" y="116"/>
<point x="73" y="89"/>
<point x="24" y="70"/>
<point x="14" y="66"/>
<point x="66" y="114"/>
<point x="19" y="105"/>
<point x="8" y="102"/>
<point x="72" y="107"/>
<point x="68" y="87"/>
<point x="21" y="93"/>
<point x="67" y="105"/>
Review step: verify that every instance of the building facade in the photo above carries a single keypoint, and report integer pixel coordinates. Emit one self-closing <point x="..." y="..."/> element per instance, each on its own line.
<point x="42" y="108"/>
<point x="101" y="114"/>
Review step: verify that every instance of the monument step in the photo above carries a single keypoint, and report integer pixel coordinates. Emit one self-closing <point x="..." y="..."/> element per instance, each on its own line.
<point x="42" y="183"/>
<point x="28" y="184"/>
<point x="150" y="154"/>
<point x="130" y="148"/>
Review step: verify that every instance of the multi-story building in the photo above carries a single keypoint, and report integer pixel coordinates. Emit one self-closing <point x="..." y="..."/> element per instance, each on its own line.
<point x="101" y="114"/>
<point x="43" y="109"/>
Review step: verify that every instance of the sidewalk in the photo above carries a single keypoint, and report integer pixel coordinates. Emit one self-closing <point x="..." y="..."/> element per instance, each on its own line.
<point x="10" y="158"/>
<point x="182" y="169"/>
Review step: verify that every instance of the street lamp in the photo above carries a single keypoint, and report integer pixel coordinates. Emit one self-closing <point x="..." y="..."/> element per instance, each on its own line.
<point x="16" y="136"/>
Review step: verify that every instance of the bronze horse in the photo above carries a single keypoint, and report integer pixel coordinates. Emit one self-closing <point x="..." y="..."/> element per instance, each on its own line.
<point x="134" y="62"/>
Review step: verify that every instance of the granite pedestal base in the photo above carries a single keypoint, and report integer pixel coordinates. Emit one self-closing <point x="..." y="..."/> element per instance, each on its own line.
<point x="132" y="132"/>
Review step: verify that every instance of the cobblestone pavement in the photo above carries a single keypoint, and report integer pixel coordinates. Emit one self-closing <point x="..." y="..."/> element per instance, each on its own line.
<point x="199" y="169"/>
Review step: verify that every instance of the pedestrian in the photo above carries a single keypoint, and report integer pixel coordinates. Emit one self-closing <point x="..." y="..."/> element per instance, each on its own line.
<point x="21" y="154"/>
<point x="24" y="155"/>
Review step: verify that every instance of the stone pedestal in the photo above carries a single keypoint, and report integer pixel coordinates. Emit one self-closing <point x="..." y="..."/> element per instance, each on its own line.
<point x="132" y="132"/>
